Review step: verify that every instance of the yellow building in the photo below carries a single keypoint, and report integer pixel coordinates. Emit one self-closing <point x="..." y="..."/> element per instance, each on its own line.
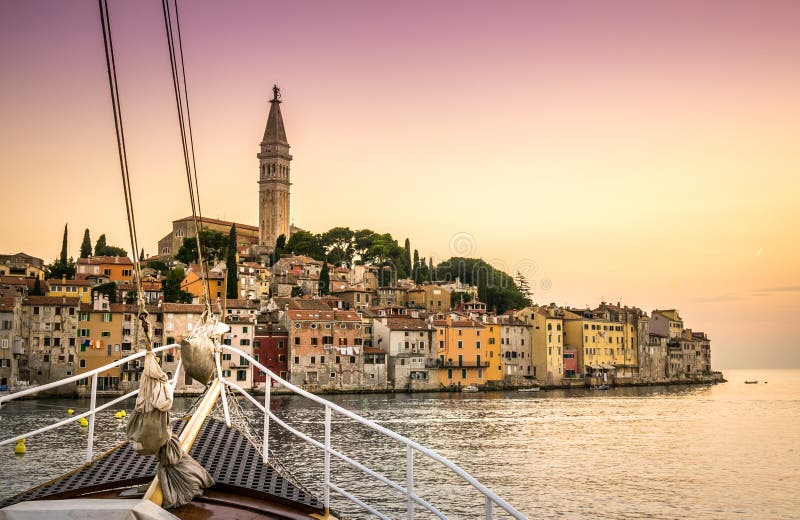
<point x="193" y="284"/>
<point x="99" y="341"/>
<point x="71" y="288"/>
<point x="547" y="336"/>
<point x="469" y="352"/>
<point x="599" y="342"/>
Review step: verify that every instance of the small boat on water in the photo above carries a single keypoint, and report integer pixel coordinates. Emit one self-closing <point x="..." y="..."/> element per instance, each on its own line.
<point x="599" y="387"/>
<point x="530" y="389"/>
<point x="751" y="382"/>
<point x="469" y="389"/>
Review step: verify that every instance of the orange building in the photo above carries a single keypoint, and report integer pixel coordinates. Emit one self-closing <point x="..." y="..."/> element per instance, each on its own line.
<point x="115" y="268"/>
<point x="469" y="351"/>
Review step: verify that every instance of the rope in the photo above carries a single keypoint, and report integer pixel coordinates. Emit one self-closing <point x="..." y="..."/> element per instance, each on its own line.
<point x="187" y="143"/>
<point x="111" y="68"/>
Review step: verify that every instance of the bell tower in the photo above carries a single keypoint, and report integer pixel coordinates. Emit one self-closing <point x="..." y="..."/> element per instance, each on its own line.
<point x="273" y="180"/>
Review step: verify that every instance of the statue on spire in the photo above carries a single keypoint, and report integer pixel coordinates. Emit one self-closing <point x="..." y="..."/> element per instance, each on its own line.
<point x="276" y="93"/>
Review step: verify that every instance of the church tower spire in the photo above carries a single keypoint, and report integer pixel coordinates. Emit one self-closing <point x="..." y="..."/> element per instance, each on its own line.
<point x="274" y="180"/>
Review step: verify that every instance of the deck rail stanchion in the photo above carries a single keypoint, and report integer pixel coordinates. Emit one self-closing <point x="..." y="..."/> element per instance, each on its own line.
<point x="412" y="499"/>
<point x="327" y="476"/>
<point x="409" y="482"/>
<point x="265" y="443"/>
<point x="92" y="414"/>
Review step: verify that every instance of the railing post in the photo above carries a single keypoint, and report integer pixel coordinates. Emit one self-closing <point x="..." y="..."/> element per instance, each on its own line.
<point x="327" y="477"/>
<point x="92" y="404"/>
<point x="488" y="508"/>
<point x="265" y="444"/>
<point x="222" y="394"/>
<point x="409" y="482"/>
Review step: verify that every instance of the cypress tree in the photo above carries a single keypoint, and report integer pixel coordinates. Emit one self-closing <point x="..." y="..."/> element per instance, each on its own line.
<point x="100" y="246"/>
<point x="415" y="267"/>
<point x="63" y="258"/>
<point x="232" y="291"/>
<point x="86" y="245"/>
<point x="324" y="279"/>
<point x="407" y="257"/>
<point x="37" y="288"/>
<point x="141" y="256"/>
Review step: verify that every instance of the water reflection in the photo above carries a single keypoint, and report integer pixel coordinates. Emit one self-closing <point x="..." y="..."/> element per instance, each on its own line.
<point x="647" y="452"/>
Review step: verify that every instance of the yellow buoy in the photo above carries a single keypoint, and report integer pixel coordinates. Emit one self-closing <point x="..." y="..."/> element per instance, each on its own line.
<point x="70" y="411"/>
<point x="120" y="414"/>
<point x="20" y="448"/>
<point x="83" y="422"/>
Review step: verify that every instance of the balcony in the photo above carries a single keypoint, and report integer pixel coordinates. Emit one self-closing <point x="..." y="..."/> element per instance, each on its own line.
<point x="465" y="364"/>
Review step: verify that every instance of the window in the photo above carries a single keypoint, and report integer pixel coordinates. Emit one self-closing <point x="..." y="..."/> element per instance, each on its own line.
<point x="244" y="342"/>
<point x="297" y="360"/>
<point x="459" y="344"/>
<point x="313" y="359"/>
<point x="105" y="334"/>
<point x="314" y="342"/>
<point x="241" y="375"/>
<point x="297" y="340"/>
<point x="82" y="363"/>
<point x="226" y="373"/>
<point x="477" y="344"/>
<point x="107" y="316"/>
<point x="333" y="375"/>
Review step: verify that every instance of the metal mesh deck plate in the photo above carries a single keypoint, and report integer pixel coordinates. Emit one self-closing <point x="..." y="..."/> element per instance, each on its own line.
<point x="223" y="451"/>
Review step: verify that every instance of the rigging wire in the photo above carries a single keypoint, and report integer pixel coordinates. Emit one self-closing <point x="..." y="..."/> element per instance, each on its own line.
<point x="111" y="68"/>
<point x="187" y="142"/>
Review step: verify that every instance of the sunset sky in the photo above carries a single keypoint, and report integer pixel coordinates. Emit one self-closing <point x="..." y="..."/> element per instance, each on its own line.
<point x="641" y="152"/>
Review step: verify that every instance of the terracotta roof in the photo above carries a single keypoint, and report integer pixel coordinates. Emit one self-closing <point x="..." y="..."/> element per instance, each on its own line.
<point x="298" y="315"/>
<point x="79" y="282"/>
<point x="346" y="316"/>
<point x="206" y="220"/>
<point x="51" y="300"/>
<point x="185" y="308"/>
<point x="7" y="304"/>
<point x="403" y="323"/>
<point x="98" y="260"/>
<point x="27" y="281"/>
<point x="302" y="304"/>
<point x="240" y="304"/>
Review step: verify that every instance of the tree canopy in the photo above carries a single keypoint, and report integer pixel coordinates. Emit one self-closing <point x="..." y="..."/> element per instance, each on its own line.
<point x="495" y="288"/>
<point x="171" y="284"/>
<point x="214" y="244"/>
<point x="232" y="273"/>
<point x="101" y="248"/>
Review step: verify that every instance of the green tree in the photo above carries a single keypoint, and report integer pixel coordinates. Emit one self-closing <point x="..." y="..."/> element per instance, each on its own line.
<point x="37" y="288"/>
<point x="171" y="285"/>
<point x="63" y="258"/>
<point x="100" y="245"/>
<point x="232" y="280"/>
<point x="457" y="297"/>
<point x="109" y="289"/>
<point x="58" y="270"/>
<point x="409" y="268"/>
<point x="141" y="256"/>
<point x="306" y="244"/>
<point x="524" y="288"/>
<point x="214" y="244"/>
<point x="297" y="291"/>
<point x="415" y="268"/>
<point x="280" y="248"/>
<point x="158" y="265"/>
<point x="495" y="288"/>
<point x="86" y="245"/>
<point x="324" y="279"/>
<point x="338" y="244"/>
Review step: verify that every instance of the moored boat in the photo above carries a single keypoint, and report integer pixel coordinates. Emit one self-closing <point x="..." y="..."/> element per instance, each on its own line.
<point x="469" y="389"/>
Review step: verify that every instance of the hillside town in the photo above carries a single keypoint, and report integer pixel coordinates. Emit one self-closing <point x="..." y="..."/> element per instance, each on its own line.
<point x="342" y="311"/>
<point x="359" y="337"/>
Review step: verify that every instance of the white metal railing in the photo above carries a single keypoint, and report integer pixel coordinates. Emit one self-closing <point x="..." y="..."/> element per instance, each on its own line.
<point x="93" y="408"/>
<point x="490" y="499"/>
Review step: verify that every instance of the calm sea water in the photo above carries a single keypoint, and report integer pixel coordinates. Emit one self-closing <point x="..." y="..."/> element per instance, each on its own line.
<point x="723" y="451"/>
